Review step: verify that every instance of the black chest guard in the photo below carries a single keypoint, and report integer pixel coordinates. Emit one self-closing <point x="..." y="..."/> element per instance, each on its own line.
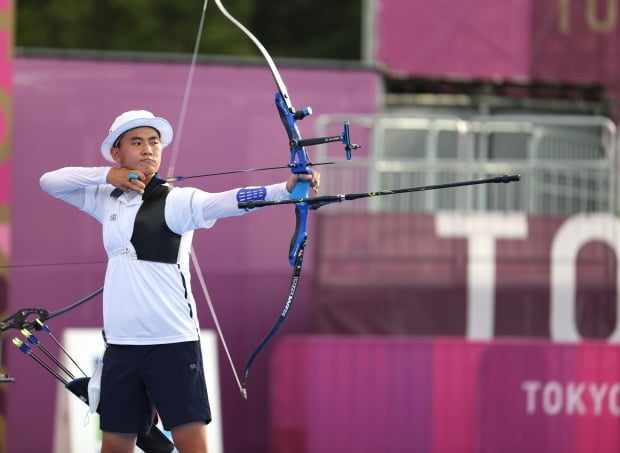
<point x="151" y="238"/>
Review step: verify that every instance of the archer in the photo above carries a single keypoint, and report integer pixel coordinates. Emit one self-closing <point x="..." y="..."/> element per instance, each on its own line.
<point x="152" y="362"/>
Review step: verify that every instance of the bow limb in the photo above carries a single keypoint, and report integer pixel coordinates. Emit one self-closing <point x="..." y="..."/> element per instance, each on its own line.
<point x="29" y="318"/>
<point x="299" y="161"/>
<point x="272" y="66"/>
<point x="22" y="319"/>
<point x="289" y="302"/>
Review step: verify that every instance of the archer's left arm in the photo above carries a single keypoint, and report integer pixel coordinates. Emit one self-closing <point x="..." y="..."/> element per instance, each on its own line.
<point x="189" y="209"/>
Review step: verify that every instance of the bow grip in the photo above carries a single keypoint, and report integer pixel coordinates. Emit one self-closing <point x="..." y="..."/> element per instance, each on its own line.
<point x="300" y="235"/>
<point x="300" y="190"/>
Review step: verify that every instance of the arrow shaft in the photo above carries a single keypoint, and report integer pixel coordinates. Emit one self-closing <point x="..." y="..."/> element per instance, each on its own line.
<point x="29" y="352"/>
<point x="66" y="353"/>
<point x="232" y="172"/>
<point x="57" y="362"/>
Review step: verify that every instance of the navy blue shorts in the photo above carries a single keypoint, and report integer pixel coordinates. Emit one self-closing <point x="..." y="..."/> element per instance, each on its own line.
<point x="138" y="381"/>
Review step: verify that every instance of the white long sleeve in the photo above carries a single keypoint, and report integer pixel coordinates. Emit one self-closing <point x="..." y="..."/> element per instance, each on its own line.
<point x="70" y="183"/>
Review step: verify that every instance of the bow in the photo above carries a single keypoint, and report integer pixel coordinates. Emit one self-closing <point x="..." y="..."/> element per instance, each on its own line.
<point x="28" y="319"/>
<point x="299" y="164"/>
<point x="21" y="319"/>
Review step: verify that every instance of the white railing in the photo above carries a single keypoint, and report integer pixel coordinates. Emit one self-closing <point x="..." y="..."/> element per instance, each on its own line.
<point x="568" y="163"/>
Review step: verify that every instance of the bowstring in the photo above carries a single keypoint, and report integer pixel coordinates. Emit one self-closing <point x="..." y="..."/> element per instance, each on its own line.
<point x="170" y="174"/>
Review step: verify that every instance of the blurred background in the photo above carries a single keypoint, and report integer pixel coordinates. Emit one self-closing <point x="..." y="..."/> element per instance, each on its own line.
<point x="462" y="320"/>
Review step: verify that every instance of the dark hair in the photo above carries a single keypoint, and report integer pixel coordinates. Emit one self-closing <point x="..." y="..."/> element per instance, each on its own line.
<point x="117" y="142"/>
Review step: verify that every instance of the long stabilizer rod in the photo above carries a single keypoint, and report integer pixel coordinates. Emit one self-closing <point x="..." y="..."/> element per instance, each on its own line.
<point x="317" y="202"/>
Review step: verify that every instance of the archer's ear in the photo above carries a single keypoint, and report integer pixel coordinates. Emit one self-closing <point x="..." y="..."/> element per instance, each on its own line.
<point x="116" y="154"/>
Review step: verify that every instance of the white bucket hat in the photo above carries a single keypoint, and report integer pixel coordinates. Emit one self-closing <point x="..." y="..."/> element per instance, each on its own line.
<point x="131" y="120"/>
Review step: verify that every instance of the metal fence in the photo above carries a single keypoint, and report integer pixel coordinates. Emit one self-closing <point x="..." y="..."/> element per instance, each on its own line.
<point x="568" y="164"/>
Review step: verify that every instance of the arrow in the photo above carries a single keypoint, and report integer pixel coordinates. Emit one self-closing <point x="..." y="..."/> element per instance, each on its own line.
<point x="182" y="178"/>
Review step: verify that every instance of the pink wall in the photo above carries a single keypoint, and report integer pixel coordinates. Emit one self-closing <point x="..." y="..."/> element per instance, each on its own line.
<point x="405" y="395"/>
<point x="552" y="277"/>
<point x="550" y="40"/>
<point x="63" y="108"/>
<point x="470" y="38"/>
<point x="413" y="374"/>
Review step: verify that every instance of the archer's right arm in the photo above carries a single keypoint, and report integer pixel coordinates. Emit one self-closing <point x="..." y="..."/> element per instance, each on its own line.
<point x="70" y="184"/>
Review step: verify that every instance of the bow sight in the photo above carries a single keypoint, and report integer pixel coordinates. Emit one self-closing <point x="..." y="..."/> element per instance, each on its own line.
<point x="344" y="137"/>
<point x="289" y="116"/>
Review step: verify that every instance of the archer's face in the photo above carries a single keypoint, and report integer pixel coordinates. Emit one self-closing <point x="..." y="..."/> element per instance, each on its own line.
<point x="139" y="149"/>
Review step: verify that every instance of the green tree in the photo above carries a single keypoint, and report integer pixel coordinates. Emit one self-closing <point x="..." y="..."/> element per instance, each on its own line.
<point x="309" y="28"/>
<point x="299" y="28"/>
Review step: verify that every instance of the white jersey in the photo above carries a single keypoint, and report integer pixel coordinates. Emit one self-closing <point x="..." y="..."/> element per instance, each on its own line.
<point x="145" y="302"/>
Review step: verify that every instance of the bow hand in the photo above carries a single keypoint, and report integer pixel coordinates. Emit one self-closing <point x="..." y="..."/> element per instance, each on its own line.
<point x="300" y="184"/>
